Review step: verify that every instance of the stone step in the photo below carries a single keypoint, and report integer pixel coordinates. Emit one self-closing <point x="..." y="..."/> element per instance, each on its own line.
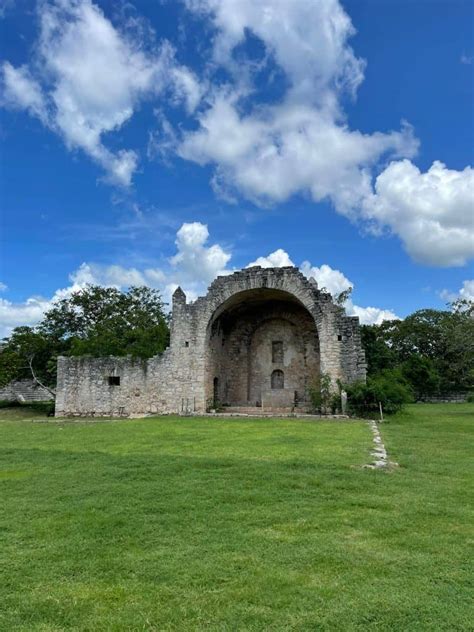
<point x="259" y="410"/>
<point x="24" y="391"/>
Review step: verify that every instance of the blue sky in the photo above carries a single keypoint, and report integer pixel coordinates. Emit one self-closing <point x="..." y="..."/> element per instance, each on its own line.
<point x="168" y="142"/>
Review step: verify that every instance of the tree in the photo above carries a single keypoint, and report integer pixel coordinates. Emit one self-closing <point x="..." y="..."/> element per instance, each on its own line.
<point x="10" y="365"/>
<point x="341" y="298"/>
<point x="102" y="321"/>
<point x="31" y="355"/>
<point x="441" y="340"/>
<point x="422" y="375"/>
<point x="378" y="352"/>
<point x="92" y="321"/>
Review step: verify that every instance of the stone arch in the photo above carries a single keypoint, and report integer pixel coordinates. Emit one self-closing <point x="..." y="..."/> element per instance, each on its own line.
<point x="286" y="279"/>
<point x="239" y="346"/>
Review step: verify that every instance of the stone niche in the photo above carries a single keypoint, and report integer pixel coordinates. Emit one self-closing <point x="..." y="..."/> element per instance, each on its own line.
<point x="266" y="342"/>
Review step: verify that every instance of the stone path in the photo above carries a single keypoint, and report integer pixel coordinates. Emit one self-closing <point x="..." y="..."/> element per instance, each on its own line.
<point x="381" y="460"/>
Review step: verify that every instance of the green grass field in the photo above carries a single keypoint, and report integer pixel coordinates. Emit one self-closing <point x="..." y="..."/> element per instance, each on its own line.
<point x="236" y="524"/>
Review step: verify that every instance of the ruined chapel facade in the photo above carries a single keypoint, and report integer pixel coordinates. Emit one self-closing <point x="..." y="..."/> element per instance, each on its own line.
<point x="261" y="337"/>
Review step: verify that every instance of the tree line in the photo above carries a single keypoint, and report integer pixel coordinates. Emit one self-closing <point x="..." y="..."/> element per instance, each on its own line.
<point x="429" y="353"/>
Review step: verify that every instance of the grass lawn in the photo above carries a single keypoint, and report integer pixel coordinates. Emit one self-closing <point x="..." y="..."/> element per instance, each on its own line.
<point x="236" y="524"/>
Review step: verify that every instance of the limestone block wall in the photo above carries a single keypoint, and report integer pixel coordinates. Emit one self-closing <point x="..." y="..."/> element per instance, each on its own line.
<point x="84" y="389"/>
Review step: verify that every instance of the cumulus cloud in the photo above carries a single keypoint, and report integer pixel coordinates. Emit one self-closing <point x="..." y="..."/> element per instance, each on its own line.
<point x="307" y="39"/>
<point x="302" y="142"/>
<point x="194" y="266"/>
<point x="332" y="281"/>
<point x="432" y="212"/>
<point x="277" y="259"/>
<point x="370" y="315"/>
<point x="195" y="260"/>
<point x="90" y="78"/>
<point x="466" y="292"/>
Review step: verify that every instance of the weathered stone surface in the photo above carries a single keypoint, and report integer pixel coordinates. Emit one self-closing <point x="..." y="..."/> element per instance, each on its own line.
<point x="226" y="346"/>
<point x="24" y="391"/>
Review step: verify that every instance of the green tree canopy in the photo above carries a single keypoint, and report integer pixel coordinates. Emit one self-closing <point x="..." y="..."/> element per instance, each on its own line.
<point x="433" y="348"/>
<point x="102" y="321"/>
<point x="93" y="321"/>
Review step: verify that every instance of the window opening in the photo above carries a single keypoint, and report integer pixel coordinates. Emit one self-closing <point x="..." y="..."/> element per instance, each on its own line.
<point x="278" y="379"/>
<point x="277" y="352"/>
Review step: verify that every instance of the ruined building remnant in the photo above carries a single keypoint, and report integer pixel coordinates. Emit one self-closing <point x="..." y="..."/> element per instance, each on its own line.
<point x="259" y="338"/>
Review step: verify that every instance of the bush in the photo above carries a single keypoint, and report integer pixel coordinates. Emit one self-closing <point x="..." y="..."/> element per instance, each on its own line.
<point x="470" y="398"/>
<point x="45" y="408"/>
<point x="7" y="403"/>
<point x="389" y="388"/>
<point x="321" y="394"/>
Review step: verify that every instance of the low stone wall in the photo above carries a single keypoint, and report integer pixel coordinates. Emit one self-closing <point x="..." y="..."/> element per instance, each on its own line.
<point x="24" y="391"/>
<point x="448" y="398"/>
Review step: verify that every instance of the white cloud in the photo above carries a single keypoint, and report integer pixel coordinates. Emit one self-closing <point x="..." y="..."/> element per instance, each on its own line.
<point x="277" y="259"/>
<point x="93" y="78"/>
<point x="3" y="287"/>
<point x="17" y="314"/>
<point x="331" y="280"/>
<point x="466" y="292"/>
<point x="194" y="266"/>
<point x="195" y="262"/>
<point x="432" y="212"/>
<point x="307" y="39"/>
<point x="302" y="143"/>
<point x="278" y="151"/>
<point x="21" y="91"/>
<point x="187" y="88"/>
<point x="370" y="315"/>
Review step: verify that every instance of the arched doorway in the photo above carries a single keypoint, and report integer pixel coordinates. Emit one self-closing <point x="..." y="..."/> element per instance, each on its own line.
<point x="262" y="349"/>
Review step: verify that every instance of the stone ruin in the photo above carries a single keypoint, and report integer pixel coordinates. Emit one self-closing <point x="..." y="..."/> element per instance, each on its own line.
<point x="24" y="391"/>
<point x="257" y="341"/>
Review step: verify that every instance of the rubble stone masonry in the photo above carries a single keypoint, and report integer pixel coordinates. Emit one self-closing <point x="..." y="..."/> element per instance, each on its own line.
<point x="260" y="334"/>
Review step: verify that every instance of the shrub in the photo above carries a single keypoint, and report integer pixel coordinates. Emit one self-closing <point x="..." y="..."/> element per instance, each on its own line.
<point x="45" y="408"/>
<point x="470" y="398"/>
<point x="323" y="398"/>
<point x="6" y="403"/>
<point x="388" y="387"/>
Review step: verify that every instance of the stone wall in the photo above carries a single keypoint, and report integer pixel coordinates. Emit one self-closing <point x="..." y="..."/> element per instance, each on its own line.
<point x="226" y="334"/>
<point x="446" y="398"/>
<point x="24" y="391"/>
